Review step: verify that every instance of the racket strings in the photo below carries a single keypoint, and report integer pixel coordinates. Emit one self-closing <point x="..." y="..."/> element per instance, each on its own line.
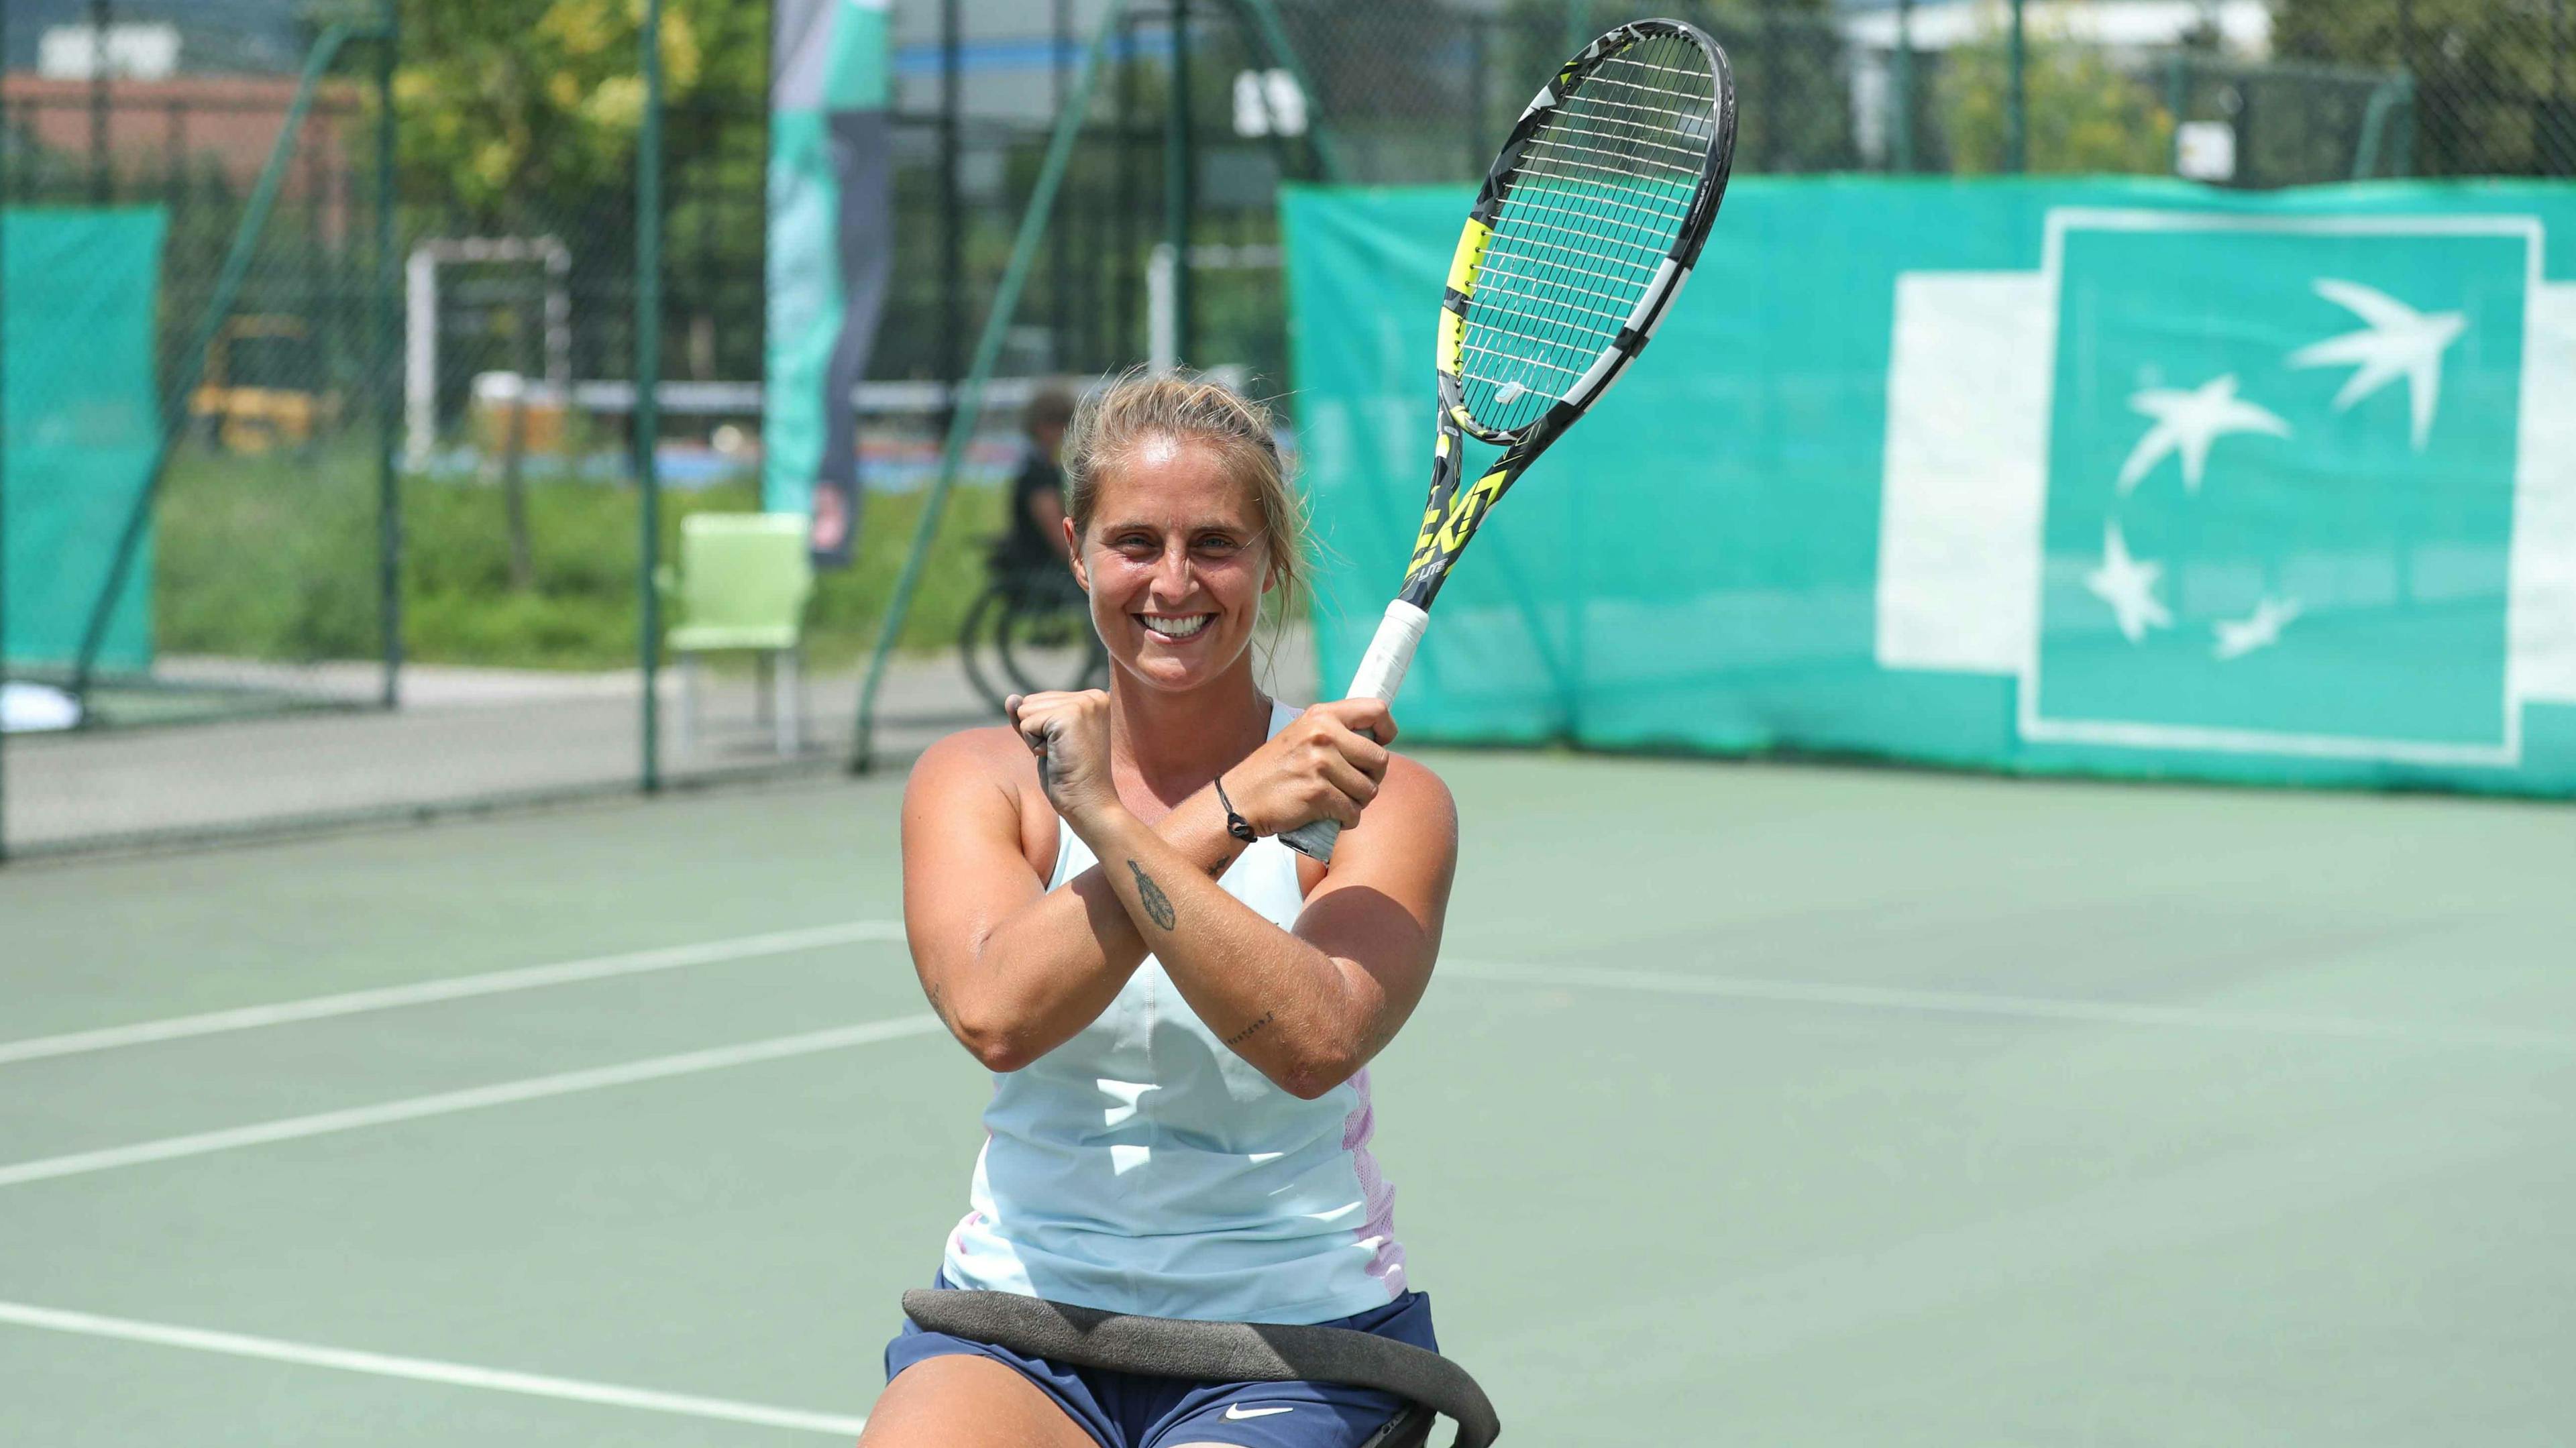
<point x="1531" y="207"/>
<point x="1647" y="126"/>
<point x="1591" y="210"/>
<point x="1688" y="159"/>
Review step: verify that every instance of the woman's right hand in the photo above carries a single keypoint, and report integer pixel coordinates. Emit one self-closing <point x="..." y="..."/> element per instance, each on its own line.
<point x="1326" y="765"/>
<point x="1069" y="733"/>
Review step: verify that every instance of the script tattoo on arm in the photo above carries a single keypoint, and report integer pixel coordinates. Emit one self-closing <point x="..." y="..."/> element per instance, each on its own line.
<point x="1248" y="1032"/>
<point x="1157" y="904"/>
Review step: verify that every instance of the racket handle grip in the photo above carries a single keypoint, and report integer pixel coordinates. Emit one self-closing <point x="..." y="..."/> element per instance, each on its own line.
<point x="1381" y="673"/>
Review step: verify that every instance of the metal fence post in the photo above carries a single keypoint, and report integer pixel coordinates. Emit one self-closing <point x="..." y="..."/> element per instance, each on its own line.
<point x="1180" y="153"/>
<point x="102" y="15"/>
<point x="1479" y="62"/>
<point x="648" y="382"/>
<point x="1060" y="256"/>
<point x="4" y="499"/>
<point x="1901" y="77"/>
<point x="2404" y="161"/>
<point x="1131" y="188"/>
<point x="4" y="566"/>
<point x="2178" y="79"/>
<point x="2017" y="104"/>
<point x="389" y="534"/>
<point x="952" y="202"/>
<point x="2557" y="48"/>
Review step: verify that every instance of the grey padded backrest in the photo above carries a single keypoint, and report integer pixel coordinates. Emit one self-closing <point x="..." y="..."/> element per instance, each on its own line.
<point x="1225" y="1352"/>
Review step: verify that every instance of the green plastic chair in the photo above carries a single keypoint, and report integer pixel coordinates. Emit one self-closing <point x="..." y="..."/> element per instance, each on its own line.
<point x="741" y="588"/>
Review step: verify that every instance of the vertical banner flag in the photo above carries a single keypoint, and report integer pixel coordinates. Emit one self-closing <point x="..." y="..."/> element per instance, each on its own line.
<point x="831" y="246"/>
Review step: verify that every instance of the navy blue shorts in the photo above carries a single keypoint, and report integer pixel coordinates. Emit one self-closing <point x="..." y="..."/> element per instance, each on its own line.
<point x="1130" y="1410"/>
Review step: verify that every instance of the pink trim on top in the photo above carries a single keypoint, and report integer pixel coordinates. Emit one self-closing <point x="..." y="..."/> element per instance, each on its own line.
<point x="1387" y="1265"/>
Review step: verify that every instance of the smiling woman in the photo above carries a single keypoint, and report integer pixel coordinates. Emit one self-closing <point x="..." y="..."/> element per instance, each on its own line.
<point x="1197" y="425"/>
<point x="1178" y="1009"/>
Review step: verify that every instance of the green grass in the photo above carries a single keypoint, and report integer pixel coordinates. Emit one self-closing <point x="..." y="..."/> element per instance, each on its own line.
<point x="276" y="558"/>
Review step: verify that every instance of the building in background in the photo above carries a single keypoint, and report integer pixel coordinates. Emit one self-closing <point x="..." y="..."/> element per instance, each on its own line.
<point x="220" y="37"/>
<point x="193" y="95"/>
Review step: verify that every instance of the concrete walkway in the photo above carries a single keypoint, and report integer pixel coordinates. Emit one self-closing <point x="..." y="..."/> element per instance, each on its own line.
<point x="464" y="738"/>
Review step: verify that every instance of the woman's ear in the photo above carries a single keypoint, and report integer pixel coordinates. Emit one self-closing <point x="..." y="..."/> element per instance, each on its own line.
<point x="1073" y="554"/>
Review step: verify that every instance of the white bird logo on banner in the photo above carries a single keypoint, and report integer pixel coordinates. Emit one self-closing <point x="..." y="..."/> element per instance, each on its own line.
<point x="2235" y="638"/>
<point x="2129" y="586"/>
<point x="2189" y="422"/>
<point x="2400" y="342"/>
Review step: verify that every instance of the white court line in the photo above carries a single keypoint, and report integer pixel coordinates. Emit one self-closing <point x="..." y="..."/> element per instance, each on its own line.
<point x="1970" y="1003"/>
<point x="597" y="967"/>
<point x="425" y="1370"/>
<point x="293" y="1128"/>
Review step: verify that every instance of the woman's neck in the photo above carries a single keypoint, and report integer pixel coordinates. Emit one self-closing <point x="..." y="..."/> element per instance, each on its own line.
<point x="1173" y="744"/>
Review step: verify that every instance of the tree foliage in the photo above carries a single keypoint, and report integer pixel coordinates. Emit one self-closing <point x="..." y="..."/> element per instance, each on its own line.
<point x="2495" y="79"/>
<point x="2085" y="115"/>
<point x="2511" y="37"/>
<point x="511" y="110"/>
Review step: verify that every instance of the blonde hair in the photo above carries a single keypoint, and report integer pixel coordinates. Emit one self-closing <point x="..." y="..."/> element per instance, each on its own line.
<point x="1112" y="423"/>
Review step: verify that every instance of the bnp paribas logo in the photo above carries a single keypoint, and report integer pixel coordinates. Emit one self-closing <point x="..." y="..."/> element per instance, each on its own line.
<point x="2260" y="483"/>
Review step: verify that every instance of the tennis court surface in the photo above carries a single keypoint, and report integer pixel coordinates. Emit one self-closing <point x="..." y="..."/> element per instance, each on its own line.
<point x="1750" y="1104"/>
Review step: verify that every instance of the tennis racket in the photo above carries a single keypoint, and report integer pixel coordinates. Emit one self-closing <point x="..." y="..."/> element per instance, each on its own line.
<point x="1579" y="241"/>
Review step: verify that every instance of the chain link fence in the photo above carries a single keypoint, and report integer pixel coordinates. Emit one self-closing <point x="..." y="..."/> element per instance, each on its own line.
<point x="393" y="560"/>
<point x="227" y="564"/>
<point x="1420" y="92"/>
<point x="273" y="393"/>
<point x="385" y="558"/>
<point x="2492" y="83"/>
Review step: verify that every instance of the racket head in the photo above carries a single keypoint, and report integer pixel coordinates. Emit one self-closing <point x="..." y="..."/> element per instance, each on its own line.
<point x="1587" y="224"/>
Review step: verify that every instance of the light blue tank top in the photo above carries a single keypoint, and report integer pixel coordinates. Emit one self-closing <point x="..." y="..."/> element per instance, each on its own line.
<point x="1143" y="1167"/>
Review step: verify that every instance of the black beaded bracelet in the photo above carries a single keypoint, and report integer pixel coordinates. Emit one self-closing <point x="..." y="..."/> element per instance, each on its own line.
<point x="1235" y="824"/>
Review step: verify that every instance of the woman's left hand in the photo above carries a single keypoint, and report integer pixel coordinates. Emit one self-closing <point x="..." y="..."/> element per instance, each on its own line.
<point x="1069" y="733"/>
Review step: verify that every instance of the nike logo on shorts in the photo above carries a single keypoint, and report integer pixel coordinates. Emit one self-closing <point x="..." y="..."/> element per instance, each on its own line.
<point x="1236" y="1412"/>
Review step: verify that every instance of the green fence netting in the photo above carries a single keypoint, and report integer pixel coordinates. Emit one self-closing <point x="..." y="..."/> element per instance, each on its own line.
<point x="2100" y="476"/>
<point x="81" y="289"/>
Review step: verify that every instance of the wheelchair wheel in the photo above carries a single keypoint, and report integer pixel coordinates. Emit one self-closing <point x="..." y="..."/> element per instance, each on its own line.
<point x="1223" y="1352"/>
<point x="979" y="646"/>
<point x="1046" y="642"/>
<point x="1409" y="1429"/>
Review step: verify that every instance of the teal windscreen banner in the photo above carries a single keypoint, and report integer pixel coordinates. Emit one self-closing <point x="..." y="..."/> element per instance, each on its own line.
<point x="2108" y="477"/>
<point x="830" y="253"/>
<point x="80" y="292"/>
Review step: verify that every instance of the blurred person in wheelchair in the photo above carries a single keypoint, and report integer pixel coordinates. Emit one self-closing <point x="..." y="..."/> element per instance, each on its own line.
<point x="1030" y="557"/>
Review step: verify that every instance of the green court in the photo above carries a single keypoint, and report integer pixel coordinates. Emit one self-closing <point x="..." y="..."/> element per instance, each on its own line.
<point x="1751" y="1104"/>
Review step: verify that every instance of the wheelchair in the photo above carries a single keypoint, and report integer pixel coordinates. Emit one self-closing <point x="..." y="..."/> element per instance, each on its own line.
<point x="1029" y="631"/>
<point x="1225" y="1352"/>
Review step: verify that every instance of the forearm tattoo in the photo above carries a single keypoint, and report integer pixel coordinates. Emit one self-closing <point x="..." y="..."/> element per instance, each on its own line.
<point x="1250" y="1031"/>
<point x="1158" y="906"/>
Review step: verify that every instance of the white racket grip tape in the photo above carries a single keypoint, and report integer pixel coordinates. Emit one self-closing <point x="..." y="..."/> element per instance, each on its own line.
<point x="1381" y="670"/>
<point x="1381" y="673"/>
